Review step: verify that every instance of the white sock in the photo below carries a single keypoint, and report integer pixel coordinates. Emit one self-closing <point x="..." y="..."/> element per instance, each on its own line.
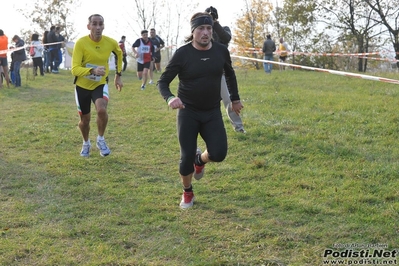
<point x="86" y="142"/>
<point x="100" y="137"/>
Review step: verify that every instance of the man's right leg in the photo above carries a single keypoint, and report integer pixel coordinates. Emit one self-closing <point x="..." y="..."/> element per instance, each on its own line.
<point x="187" y="132"/>
<point x="83" y="102"/>
<point x="84" y="126"/>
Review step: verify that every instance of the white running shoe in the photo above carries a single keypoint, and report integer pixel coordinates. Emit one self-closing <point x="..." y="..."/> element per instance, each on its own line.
<point x="85" y="152"/>
<point x="102" y="146"/>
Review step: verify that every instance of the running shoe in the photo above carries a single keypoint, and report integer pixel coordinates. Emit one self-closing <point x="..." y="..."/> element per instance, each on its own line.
<point x="85" y="152"/>
<point x="187" y="200"/>
<point x="102" y="146"/>
<point x="198" y="170"/>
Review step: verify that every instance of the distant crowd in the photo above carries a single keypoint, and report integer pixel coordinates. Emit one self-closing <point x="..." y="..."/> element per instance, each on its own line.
<point x="46" y="55"/>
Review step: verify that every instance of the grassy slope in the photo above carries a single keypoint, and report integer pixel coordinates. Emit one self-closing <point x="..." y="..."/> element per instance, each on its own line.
<point x="318" y="166"/>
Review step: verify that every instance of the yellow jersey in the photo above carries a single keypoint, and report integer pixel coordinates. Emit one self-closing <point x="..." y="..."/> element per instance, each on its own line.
<point x="88" y="54"/>
<point x="283" y="50"/>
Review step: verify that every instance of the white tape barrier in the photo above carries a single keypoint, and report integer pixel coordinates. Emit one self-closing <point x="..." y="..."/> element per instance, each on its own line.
<point x="24" y="47"/>
<point x="335" y="72"/>
<point x="359" y="55"/>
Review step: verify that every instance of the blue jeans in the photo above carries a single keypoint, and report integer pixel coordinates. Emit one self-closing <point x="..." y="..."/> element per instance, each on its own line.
<point x="268" y="66"/>
<point x="12" y="77"/>
<point x="54" y="61"/>
<point x="17" y="74"/>
<point x="47" y="59"/>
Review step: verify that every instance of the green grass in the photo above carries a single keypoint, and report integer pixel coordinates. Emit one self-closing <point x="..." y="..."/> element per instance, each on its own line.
<point x="318" y="166"/>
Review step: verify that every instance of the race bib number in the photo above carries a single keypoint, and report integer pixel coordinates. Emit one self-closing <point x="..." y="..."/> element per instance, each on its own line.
<point x="92" y="76"/>
<point x="145" y="49"/>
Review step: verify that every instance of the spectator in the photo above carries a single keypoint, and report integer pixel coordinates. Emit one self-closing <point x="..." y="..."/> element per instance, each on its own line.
<point x="46" y="53"/>
<point x="3" y="58"/>
<point x="38" y="54"/>
<point x="60" y="46"/>
<point x="52" y="39"/>
<point x="19" y="57"/>
<point x="269" y="46"/>
<point x="223" y="35"/>
<point x="283" y="50"/>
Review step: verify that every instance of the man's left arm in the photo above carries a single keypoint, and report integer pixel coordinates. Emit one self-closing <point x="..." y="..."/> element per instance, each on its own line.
<point x="118" y="54"/>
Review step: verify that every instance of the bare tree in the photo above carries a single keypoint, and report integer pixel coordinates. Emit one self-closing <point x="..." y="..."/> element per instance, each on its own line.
<point x="146" y="11"/>
<point x="171" y="24"/>
<point x="355" y="24"/>
<point x="166" y="16"/>
<point x="51" y="12"/>
<point x="388" y="13"/>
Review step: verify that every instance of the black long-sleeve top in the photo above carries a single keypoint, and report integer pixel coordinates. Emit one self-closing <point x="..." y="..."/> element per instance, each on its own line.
<point x="200" y="73"/>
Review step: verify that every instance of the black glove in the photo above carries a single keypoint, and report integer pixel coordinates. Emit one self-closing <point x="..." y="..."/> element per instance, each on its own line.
<point x="213" y="12"/>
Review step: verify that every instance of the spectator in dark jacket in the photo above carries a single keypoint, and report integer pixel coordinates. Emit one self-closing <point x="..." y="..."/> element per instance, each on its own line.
<point x="269" y="46"/>
<point x="60" y="45"/>
<point x="223" y="35"/>
<point x="54" y="49"/>
<point x="19" y="56"/>
<point x="46" y="53"/>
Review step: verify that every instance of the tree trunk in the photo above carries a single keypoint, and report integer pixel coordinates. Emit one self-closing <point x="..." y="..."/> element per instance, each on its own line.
<point x="396" y="48"/>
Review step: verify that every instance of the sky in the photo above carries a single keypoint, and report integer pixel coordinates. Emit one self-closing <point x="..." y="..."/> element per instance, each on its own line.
<point x="12" y="22"/>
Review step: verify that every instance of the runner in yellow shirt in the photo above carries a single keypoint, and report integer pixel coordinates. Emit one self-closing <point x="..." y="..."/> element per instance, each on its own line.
<point x="90" y="68"/>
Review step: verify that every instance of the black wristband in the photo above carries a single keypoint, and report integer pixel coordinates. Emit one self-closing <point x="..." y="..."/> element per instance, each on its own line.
<point x="119" y="74"/>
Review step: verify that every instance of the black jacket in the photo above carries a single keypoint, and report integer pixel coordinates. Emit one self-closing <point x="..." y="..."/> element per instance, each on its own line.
<point x="269" y="47"/>
<point x="221" y="34"/>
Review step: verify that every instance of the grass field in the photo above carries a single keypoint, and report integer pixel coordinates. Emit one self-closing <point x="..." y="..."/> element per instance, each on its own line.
<point x="318" y="167"/>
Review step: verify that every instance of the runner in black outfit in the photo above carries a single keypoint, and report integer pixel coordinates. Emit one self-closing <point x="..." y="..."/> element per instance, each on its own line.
<point x="199" y="65"/>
